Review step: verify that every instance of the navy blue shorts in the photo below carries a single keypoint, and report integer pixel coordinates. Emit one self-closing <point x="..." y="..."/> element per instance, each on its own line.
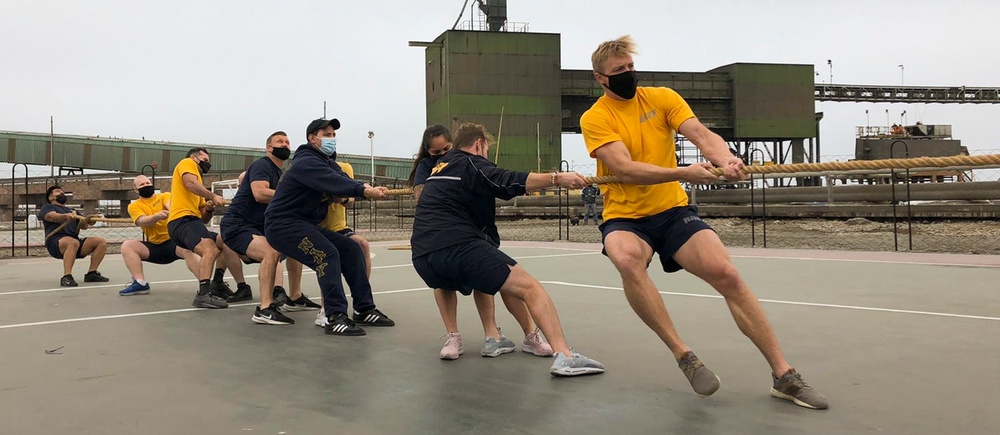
<point x="188" y="231"/>
<point x="475" y="265"/>
<point x="346" y="232"/>
<point x="237" y="234"/>
<point x="665" y="232"/>
<point x="52" y="245"/>
<point x="164" y="253"/>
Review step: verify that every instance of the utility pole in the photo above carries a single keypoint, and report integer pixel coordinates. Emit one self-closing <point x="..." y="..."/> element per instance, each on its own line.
<point x="52" y="144"/>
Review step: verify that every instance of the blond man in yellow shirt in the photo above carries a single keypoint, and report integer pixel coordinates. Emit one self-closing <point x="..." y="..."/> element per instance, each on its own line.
<point x="630" y="130"/>
<point x="150" y="213"/>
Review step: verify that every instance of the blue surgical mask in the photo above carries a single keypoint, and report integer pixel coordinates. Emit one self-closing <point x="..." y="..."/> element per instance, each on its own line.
<point x="329" y="145"/>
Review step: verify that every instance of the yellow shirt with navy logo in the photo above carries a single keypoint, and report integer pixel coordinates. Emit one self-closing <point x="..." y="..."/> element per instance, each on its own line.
<point x="157" y="233"/>
<point x="183" y="202"/>
<point x="646" y="124"/>
<point x="336" y="215"/>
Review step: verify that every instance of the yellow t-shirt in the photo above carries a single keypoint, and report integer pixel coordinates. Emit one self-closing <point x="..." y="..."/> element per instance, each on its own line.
<point x="336" y="216"/>
<point x="149" y="206"/>
<point x="183" y="202"/>
<point x="647" y="125"/>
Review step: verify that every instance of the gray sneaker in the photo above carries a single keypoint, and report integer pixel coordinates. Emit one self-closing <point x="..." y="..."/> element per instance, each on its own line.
<point x="209" y="300"/>
<point x="790" y="386"/>
<point x="575" y="365"/>
<point x="702" y="380"/>
<point x="493" y="348"/>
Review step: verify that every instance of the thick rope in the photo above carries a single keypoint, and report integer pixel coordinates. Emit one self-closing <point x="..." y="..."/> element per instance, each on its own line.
<point x="110" y="220"/>
<point x="57" y="230"/>
<point x="916" y="162"/>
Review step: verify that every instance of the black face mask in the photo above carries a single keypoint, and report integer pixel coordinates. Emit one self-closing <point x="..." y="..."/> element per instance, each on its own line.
<point x="61" y="198"/>
<point x="623" y="84"/>
<point x="204" y="166"/>
<point x="147" y="191"/>
<point x="281" y="153"/>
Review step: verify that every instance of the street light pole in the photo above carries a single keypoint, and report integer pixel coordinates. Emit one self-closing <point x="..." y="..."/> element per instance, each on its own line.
<point x="52" y="145"/>
<point x="901" y="69"/>
<point x="830" y="63"/>
<point x="371" y="140"/>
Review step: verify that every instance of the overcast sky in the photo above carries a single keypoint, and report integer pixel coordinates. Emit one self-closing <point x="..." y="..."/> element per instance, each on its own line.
<point x="231" y="72"/>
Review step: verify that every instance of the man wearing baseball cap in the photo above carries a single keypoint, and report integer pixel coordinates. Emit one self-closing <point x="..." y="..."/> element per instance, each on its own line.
<point x="292" y="220"/>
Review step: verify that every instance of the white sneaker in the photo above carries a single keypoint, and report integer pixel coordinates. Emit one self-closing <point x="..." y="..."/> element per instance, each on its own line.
<point x="575" y="365"/>
<point x="321" y="320"/>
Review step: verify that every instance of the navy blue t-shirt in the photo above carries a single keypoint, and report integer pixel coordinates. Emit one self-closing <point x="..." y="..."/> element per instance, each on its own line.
<point x="424" y="169"/>
<point x="72" y="230"/>
<point x="244" y="206"/>
<point x="458" y="203"/>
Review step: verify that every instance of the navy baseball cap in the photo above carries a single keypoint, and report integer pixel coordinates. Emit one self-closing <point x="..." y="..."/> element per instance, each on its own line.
<point x="319" y="124"/>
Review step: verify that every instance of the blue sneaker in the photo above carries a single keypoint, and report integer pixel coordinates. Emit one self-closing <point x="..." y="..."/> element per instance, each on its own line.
<point x="135" y="289"/>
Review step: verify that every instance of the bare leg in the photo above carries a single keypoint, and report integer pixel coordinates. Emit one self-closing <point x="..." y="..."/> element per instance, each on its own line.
<point x="190" y="259"/>
<point x="706" y="257"/>
<point x="279" y="275"/>
<point x="367" y="251"/>
<point x="519" y="310"/>
<point x="231" y="260"/>
<point x="487" y="314"/>
<point x="95" y="247"/>
<point x="208" y="251"/>
<point x="133" y="252"/>
<point x="68" y="246"/>
<point x="630" y="255"/>
<point x="523" y="286"/>
<point x="260" y="250"/>
<point x="295" y="279"/>
<point x="447" y="303"/>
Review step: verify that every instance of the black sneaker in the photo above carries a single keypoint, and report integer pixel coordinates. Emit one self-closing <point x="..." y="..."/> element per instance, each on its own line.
<point x="373" y="317"/>
<point x="209" y="300"/>
<point x="243" y="293"/>
<point x="301" y="304"/>
<point x="94" y="276"/>
<point x="280" y="297"/>
<point x="222" y="289"/>
<point x="270" y="316"/>
<point x="67" y="281"/>
<point x="340" y="324"/>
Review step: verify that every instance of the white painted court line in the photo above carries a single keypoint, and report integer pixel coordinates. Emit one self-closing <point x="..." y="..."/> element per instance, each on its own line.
<point x="113" y="316"/>
<point x="192" y="280"/>
<point x="179" y="310"/>
<point x="562" y="283"/>
<point x="805" y="304"/>
<point x="863" y="260"/>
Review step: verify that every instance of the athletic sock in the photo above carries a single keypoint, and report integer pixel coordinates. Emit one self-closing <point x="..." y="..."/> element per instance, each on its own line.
<point x="203" y="286"/>
<point x="218" y="275"/>
<point x="141" y="281"/>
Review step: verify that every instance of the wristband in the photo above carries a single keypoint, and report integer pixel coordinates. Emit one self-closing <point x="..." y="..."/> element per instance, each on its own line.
<point x="554" y="179"/>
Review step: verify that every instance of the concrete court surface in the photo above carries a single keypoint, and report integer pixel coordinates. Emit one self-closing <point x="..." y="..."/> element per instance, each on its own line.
<point x="900" y="343"/>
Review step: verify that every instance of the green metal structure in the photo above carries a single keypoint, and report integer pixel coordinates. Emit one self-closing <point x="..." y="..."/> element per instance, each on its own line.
<point x="132" y="155"/>
<point x="508" y="82"/>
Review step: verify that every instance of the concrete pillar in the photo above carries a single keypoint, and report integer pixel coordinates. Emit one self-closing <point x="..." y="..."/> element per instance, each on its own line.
<point x="798" y="151"/>
<point x="124" y="207"/>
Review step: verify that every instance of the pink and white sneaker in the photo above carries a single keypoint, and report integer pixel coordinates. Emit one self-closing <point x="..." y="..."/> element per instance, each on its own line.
<point x="452" y="346"/>
<point x="535" y="344"/>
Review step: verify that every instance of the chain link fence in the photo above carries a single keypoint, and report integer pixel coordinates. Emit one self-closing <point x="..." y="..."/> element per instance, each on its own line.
<point x="551" y="215"/>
